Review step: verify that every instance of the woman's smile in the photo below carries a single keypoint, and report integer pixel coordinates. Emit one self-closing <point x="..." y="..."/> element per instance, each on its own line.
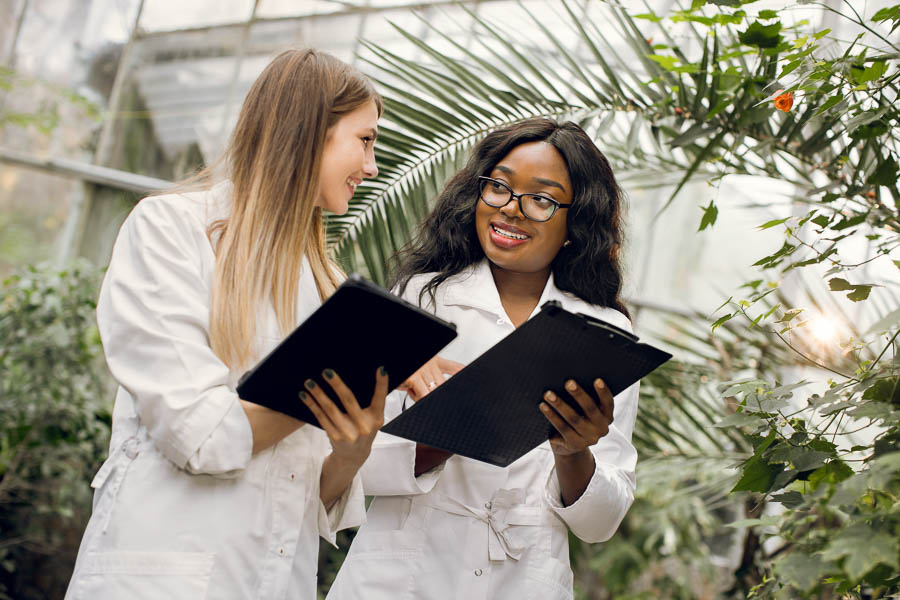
<point x="505" y="235"/>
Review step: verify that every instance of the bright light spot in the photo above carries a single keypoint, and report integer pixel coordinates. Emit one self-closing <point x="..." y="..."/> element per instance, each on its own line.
<point x="823" y="328"/>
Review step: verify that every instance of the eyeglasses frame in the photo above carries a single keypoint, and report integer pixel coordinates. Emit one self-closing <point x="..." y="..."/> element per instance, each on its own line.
<point x="518" y="198"/>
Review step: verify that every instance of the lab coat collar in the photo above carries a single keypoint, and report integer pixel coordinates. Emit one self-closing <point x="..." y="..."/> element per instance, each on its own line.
<point x="475" y="288"/>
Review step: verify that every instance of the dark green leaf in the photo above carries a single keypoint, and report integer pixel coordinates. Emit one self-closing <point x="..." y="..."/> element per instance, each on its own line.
<point x="885" y="174"/>
<point x="789" y="499"/>
<point x="757" y="476"/>
<point x="802" y="572"/>
<point x="761" y="36"/>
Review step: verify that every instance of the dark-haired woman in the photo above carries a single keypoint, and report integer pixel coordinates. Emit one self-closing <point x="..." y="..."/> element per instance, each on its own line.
<point x="534" y="216"/>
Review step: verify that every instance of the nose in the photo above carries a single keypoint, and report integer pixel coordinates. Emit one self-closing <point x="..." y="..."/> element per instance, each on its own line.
<point x="370" y="169"/>
<point x="511" y="209"/>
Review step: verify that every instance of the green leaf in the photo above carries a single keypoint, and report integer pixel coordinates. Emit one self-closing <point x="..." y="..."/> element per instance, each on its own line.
<point x="709" y="216"/>
<point x="885" y="173"/>
<point x="773" y="223"/>
<point x="838" y="284"/>
<point x="865" y="74"/>
<point x="802" y="572"/>
<point x="789" y="499"/>
<point x="834" y="472"/>
<point x="862" y="549"/>
<point x="761" y="36"/>
<point x="859" y="293"/>
<point x="768" y="14"/>
<point x="830" y="103"/>
<point x="757" y="476"/>
<point x="822" y="221"/>
<point x="721" y="321"/>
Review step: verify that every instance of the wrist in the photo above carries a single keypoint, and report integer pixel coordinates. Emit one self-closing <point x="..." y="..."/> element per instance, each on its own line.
<point x="337" y="462"/>
<point x="575" y="459"/>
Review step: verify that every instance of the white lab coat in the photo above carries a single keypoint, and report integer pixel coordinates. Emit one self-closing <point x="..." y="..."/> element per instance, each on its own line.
<point x="469" y="530"/>
<point x="181" y="508"/>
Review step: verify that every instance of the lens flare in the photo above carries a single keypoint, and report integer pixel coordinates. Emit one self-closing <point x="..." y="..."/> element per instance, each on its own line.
<point x="823" y="329"/>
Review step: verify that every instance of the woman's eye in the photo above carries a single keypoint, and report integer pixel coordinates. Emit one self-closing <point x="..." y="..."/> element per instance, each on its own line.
<point x="542" y="201"/>
<point x="366" y="141"/>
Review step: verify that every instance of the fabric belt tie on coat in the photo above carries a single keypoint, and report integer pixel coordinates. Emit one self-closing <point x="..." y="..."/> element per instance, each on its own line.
<point x="507" y="508"/>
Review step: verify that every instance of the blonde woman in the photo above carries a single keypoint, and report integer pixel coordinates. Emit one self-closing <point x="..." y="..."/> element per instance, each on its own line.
<point x="205" y="495"/>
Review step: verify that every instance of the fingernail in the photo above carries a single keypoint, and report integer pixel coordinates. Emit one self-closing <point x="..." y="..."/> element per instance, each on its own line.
<point x="570" y="385"/>
<point x="599" y="383"/>
<point x="383" y="371"/>
<point x="545" y="408"/>
<point x="549" y="396"/>
<point x="328" y="373"/>
<point x="310" y="384"/>
<point x="303" y="396"/>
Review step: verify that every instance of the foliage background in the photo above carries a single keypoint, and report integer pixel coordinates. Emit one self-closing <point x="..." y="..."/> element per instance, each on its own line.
<point x="769" y="461"/>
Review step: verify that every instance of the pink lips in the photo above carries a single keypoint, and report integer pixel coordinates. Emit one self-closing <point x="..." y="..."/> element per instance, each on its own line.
<point x="505" y="242"/>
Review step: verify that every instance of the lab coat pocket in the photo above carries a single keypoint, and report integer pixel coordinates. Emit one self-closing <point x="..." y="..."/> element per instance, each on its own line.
<point x="551" y="580"/>
<point x="394" y="531"/>
<point x="119" y="574"/>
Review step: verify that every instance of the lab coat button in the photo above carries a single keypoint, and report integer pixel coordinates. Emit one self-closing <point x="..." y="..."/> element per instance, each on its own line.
<point x="487" y="505"/>
<point x="477" y="572"/>
<point x="292" y="476"/>
<point x="281" y="551"/>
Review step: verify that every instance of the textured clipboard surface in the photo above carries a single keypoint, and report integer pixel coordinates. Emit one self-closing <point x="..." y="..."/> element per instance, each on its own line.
<point x="489" y="410"/>
<point x="353" y="332"/>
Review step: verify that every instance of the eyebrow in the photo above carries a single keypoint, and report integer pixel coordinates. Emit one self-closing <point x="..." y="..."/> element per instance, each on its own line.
<point x="541" y="180"/>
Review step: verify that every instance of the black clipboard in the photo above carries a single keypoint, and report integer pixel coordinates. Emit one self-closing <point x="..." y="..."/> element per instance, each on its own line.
<point x="357" y="329"/>
<point x="489" y="410"/>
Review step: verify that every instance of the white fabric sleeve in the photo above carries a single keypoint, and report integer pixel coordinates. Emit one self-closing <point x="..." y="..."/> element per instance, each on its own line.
<point x="349" y="510"/>
<point x="390" y="468"/>
<point x="596" y="515"/>
<point x="153" y="316"/>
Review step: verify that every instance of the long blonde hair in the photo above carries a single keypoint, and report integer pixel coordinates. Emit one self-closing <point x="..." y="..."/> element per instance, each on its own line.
<point x="273" y="158"/>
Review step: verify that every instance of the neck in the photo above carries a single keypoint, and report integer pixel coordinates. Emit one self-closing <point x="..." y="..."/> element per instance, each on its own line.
<point x="519" y="292"/>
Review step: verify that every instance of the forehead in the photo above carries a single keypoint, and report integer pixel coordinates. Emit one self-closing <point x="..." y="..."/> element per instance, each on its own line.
<point x="535" y="160"/>
<point x="366" y="116"/>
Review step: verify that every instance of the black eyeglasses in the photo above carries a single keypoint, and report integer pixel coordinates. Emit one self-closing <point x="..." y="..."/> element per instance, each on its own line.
<point x="535" y="207"/>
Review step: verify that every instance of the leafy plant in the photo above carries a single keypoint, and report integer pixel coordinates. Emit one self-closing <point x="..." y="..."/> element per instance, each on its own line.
<point x="724" y="89"/>
<point x="54" y="425"/>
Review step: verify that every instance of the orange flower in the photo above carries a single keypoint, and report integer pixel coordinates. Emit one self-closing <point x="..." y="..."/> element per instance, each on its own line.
<point x="784" y="100"/>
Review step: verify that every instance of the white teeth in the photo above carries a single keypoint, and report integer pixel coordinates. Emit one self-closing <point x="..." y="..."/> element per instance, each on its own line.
<point x="509" y="234"/>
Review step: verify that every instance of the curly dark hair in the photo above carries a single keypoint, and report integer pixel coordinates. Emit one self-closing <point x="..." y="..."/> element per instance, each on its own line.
<point x="588" y="267"/>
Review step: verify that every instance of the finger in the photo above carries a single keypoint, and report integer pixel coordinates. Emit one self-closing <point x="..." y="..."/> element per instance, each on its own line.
<point x="568" y="435"/>
<point x="434" y="376"/>
<point x="381" y="388"/>
<point x="419" y="386"/>
<point x="348" y="399"/>
<point x="324" y="422"/>
<point x="575" y="421"/>
<point x="607" y="402"/>
<point x="590" y="408"/>
<point x="449" y="367"/>
<point x="319" y="397"/>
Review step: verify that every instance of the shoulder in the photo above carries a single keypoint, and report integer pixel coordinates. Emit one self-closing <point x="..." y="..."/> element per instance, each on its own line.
<point x="417" y="283"/>
<point x="573" y="303"/>
<point x="179" y="213"/>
